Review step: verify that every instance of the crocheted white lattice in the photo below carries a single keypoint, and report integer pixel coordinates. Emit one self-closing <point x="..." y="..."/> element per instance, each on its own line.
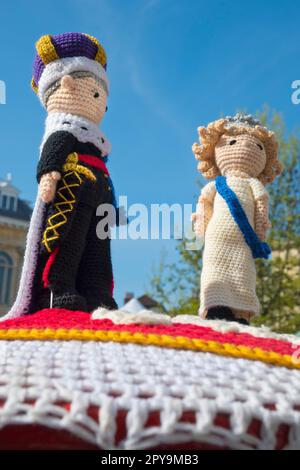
<point x="36" y="377"/>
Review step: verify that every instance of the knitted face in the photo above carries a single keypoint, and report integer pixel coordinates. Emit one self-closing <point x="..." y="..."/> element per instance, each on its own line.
<point x="83" y="97"/>
<point x="240" y="155"/>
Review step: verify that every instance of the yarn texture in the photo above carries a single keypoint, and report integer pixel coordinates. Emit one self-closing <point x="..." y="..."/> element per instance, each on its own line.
<point x="127" y="386"/>
<point x="69" y="75"/>
<point x="233" y="217"/>
<point x="258" y="248"/>
<point x="228" y="275"/>
<point x="57" y="324"/>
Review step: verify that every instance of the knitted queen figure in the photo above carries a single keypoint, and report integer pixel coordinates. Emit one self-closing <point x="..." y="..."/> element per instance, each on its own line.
<point x="232" y="213"/>
<point x="66" y="265"/>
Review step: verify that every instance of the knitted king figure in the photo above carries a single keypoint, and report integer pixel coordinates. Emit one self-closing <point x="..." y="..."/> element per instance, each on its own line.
<point x="232" y="213"/>
<point x="66" y="265"/>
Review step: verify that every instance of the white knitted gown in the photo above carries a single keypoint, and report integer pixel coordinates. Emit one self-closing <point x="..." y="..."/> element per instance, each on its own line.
<point x="228" y="275"/>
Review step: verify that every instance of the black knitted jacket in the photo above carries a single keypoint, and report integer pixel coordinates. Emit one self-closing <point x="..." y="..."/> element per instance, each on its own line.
<point x="54" y="154"/>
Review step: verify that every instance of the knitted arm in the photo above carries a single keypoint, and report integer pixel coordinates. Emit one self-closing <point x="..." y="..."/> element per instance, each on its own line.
<point x="261" y="214"/>
<point x="204" y="209"/>
<point x="262" y="222"/>
<point x="54" y="153"/>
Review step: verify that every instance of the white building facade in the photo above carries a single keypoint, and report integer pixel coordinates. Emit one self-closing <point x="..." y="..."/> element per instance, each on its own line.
<point x="15" y="215"/>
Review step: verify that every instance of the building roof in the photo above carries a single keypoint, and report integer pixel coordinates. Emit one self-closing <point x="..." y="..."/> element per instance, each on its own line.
<point x="148" y="302"/>
<point x="21" y="210"/>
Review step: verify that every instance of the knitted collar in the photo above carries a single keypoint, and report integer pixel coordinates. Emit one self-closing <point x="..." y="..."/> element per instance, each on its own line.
<point x="83" y="129"/>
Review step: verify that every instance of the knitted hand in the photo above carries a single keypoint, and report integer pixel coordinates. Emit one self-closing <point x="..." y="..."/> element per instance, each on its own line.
<point x="47" y="186"/>
<point x="202" y="215"/>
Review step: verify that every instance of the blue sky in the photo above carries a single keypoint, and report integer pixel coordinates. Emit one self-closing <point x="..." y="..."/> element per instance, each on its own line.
<point x="173" y="65"/>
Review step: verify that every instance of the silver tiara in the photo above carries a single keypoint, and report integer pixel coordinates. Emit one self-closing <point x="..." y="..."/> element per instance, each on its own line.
<point x="242" y="120"/>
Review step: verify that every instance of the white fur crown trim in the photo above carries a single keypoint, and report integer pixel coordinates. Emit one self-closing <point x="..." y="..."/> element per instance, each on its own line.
<point x="58" y="68"/>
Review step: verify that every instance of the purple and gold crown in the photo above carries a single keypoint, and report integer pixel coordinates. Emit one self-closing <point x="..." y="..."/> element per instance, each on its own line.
<point x="65" y="53"/>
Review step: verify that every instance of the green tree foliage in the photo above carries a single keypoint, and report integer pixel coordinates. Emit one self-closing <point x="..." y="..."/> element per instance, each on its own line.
<point x="176" y="285"/>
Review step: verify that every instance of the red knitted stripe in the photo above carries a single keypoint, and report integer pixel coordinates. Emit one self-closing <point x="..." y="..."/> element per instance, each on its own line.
<point x="59" y="318"/>
<point x="93" y="161"/>
<point x="46" y="272"/>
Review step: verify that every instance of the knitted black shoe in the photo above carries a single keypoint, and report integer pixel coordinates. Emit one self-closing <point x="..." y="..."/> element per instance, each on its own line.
<point x="224" y="313"/>
<point x="243" y="321"/>
<point x="69" y="301"/>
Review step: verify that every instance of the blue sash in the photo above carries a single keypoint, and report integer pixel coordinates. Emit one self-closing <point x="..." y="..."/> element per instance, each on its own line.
<point x="258" y="248"/>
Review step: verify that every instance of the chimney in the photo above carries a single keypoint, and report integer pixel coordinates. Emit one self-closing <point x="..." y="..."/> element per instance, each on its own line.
<point x="128" y="296"/>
